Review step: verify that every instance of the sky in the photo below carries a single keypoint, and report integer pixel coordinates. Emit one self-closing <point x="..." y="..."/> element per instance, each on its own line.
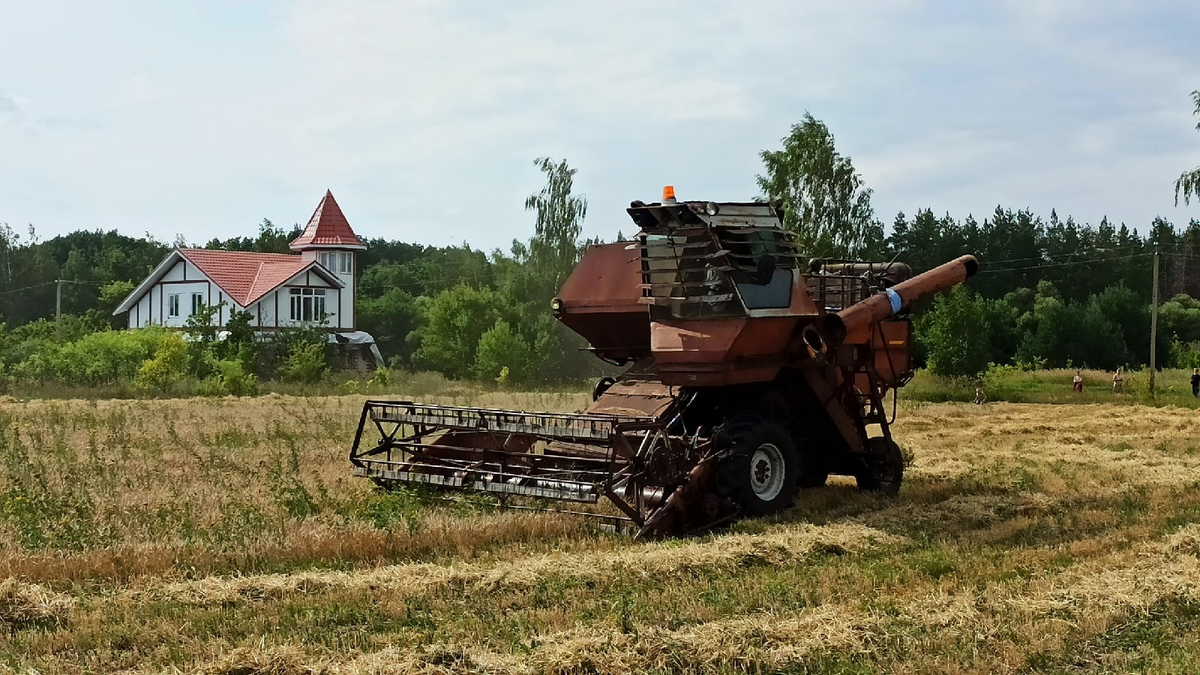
<point x="197" y="119"/>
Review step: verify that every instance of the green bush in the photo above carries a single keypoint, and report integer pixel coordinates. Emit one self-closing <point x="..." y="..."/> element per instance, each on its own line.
<point x="503" y="351"/>
<point x="229" y="378"/>
<point x="106" y="357"/>
<point x="381" y="378"/>
<point x="305" y="364"/>
<point x="956" y="334"/>
<point x="166" y="369"/>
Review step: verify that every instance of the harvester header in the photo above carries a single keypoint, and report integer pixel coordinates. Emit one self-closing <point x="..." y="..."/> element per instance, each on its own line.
<point x="749" y="372"/>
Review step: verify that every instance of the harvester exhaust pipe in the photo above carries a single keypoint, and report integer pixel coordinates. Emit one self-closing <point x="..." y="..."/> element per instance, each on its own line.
<point x="879" y="307"/>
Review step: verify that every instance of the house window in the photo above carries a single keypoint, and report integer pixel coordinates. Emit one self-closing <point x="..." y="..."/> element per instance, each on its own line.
<point x="307" y="304"/>
<point x="345" y="262"/>
<point x="329" y="261"/>
<point x="197" y="302"/>
<point x="173" y="304"/>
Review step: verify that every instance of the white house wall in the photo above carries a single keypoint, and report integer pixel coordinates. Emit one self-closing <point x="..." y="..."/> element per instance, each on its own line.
<point x="281" y="298"/>
<point x="271" y="311"/>
<point x="184" y="280"/>
<point x="342" y="310"/>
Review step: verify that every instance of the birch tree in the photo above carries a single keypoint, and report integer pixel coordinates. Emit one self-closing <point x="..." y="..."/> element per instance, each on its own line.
<point x="824" y="200"/>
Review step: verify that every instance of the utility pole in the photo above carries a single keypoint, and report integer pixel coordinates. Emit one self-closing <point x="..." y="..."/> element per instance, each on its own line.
<point x="58" y="305"/>
<point x="1154" y="322"/>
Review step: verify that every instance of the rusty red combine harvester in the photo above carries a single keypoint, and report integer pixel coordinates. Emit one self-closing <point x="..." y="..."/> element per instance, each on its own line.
<point x="749" y="374"/>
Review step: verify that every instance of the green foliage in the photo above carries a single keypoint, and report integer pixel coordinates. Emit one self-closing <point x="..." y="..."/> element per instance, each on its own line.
<point x="272" y="352"/>
<point x="957" y="334"/>
<point x="306" y="363"/>
<point x="1185" y="355"/>
<point x="229" y="378"/>
<point x="271" y="239"/>
<point x="390" y="318"/>
<point x="102" y="358"/>
<point x="502" y="352"/>
<point x="380" y="379"/>
<point x="554" y="249"/>
<point x="166" y="369"/>
<point x="824" y="199"/>
<point x="1072" y="334"/>
<point x="1188" y="184"/>
<point x="455" y="320"/>
<point x="112" y="294"/>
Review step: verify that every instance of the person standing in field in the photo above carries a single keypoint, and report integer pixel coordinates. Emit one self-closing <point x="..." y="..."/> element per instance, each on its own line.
<point x="979" y="397"/>
<point x="1118" y="381"/>
<point x="1195" y="382"/>
<point x="1078" y="381"/>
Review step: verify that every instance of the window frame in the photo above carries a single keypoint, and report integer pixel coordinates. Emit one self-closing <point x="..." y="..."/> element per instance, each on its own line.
<point x="306" y="304"/>
<point x="173" y="305"/>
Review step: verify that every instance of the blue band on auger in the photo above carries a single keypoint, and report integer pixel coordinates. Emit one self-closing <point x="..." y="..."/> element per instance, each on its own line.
<point x="894" y="297"/>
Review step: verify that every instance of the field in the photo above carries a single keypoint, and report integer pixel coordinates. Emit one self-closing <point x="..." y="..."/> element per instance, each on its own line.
<point x="226" y="536"/>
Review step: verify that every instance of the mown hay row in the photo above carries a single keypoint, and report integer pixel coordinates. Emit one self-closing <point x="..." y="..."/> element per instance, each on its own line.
<point x="784" y="545"/>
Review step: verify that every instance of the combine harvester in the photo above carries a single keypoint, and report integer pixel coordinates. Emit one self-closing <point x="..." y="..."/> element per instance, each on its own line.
<point x="747" y="377"/>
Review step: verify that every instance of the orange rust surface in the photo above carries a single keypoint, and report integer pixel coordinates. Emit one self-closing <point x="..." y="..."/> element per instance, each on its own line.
<point x="600" y="301"/>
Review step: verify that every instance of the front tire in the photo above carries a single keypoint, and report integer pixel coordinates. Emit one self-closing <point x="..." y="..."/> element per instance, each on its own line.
<point x="761" y="471"/>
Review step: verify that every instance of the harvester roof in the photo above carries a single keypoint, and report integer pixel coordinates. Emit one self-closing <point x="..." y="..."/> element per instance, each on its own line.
<point x="670" y="215"/>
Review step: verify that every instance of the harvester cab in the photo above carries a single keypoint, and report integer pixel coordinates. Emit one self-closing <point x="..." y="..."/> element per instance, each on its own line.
<point x="749" y="373"/>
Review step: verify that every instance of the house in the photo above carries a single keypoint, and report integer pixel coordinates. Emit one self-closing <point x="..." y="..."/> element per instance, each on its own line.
<point x="314" y="285"/>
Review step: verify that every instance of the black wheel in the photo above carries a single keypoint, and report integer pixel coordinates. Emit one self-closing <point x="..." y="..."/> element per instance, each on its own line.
<point x="775" y="404"/>
<point x="883" y="467"/>
<point x="761" y="472"/>
<point x="602" y="386"/>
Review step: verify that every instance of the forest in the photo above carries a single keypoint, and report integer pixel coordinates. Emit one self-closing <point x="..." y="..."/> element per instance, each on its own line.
<point x="1051" y="292"/>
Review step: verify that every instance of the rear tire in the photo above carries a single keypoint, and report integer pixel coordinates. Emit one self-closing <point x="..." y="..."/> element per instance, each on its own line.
<point x="882" y="467"/>
<point x="761" y="472"/>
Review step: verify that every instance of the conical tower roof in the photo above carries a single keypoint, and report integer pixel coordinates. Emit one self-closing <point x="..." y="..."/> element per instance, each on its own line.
<point x="328" y="228"/>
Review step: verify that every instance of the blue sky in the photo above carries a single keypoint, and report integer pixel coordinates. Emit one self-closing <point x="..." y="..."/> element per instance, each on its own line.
<point x="424" y="117"/>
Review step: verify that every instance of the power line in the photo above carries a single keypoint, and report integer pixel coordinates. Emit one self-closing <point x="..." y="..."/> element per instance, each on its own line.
<point x="1066" y="263"/>
<point x="1061" y="255"/>
<point x="26" y="288"/>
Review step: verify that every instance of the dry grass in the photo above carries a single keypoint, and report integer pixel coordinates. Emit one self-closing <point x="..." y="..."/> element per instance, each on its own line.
<point x="227" y="537"/>
<point x="23" y="604"/>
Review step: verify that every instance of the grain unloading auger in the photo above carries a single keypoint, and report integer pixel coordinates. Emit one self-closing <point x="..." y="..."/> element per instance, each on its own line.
<point x="748" y="375"/>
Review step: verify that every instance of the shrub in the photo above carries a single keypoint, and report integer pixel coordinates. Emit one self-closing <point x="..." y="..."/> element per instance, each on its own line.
<point x="382" y="377"/>
<point x="96" y="359"/>
<point x="229" y="378"/>
<point x="502" y="352"/>
<point x="166" y="369"/>
<point x="305" y="364"/>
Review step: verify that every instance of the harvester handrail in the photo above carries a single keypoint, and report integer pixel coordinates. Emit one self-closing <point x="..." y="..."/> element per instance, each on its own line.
<point x="545" y="424"/>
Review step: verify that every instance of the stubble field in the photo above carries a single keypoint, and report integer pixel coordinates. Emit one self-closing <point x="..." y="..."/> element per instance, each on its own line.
<point x="226" y="536"/>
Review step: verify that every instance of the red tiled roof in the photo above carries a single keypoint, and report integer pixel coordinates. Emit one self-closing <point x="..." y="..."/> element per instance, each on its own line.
<point x="243" y="275"/>
<point x="327" y="227"/>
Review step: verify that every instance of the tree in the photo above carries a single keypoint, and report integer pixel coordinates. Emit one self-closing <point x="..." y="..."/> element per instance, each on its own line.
<point x="957" y="333"/>
<point x="455" y="321"/>
<point x="554" y="249"/>
<point x="390" y="318"/>
<point x="112" y="294"/>
<point x="824" y="200"/>
<point x="1189" y="181"/>
<point x="502" y="350"/>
